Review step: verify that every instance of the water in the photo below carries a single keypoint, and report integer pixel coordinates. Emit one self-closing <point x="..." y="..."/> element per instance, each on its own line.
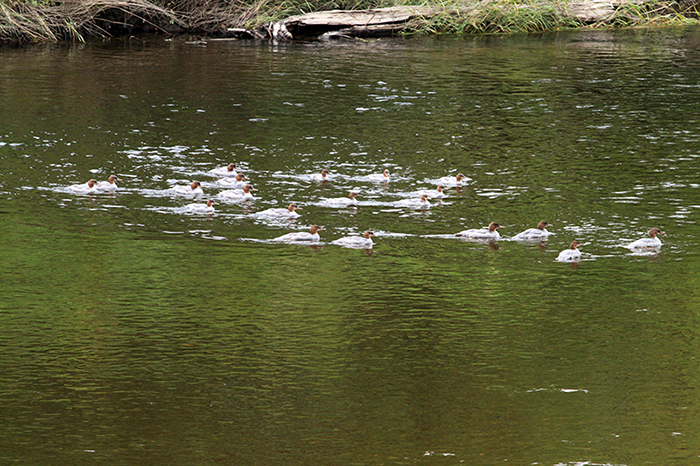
<point x="135" y="332"/>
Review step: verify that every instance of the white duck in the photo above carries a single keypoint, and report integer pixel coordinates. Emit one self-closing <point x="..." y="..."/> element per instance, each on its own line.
<point x="202" y="208"/>
<point x="229" y="170"/>
<point x="437" y="193"/>
<point x="341" y="201"/>
<point x="193" y="189"/>
<point x="237" y="183"/>
<point x="457" y="180"/>
<point x="380" y="177"/>
<point x="534" y="234"/>
<point x="422" y="203"/>
<point x="238" y="194"/>
<point x="109" y="185"/>
<point x="648" y="243"/>
<point x="363" y="242"/>
<point x="323" y="176"/>
<point x="86" y="188"/>
<point x="480" y="233"/>
<point x="311" y="236"/>
<point x="289" y="212"/>
<point x="570" y="255"/>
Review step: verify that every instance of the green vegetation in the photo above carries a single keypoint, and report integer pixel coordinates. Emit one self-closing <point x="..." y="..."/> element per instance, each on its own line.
<point x="75" y="20"/>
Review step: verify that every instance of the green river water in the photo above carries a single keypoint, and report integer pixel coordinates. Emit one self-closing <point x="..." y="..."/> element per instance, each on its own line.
<point x="135" y="332"/>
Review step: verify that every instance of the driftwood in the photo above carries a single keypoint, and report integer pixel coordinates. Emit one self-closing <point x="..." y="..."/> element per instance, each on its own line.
<point x="389" y="21"/>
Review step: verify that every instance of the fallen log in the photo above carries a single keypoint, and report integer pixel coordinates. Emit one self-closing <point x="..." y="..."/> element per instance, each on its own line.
<point x="394" y="20"/>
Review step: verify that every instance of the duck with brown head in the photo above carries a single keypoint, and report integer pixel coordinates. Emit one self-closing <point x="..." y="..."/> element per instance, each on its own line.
<point x="570" y="255"/>
<point x="228" y="170"/>
<point x="288" y="212"/>
<point x="109" y="185"/>
<point x="490" y="234"/>
<point x="86" y="188"/>
<point x="458" y="180"/>
<point x="207" y="208"/>
<point x="238" y="195"/>
<point x="438" y="193"/>
<point x="324" y="176"/>
<point x="351" y="200"/>
<point x="302" y="236"/>
<point x="652" y="242"/>
<point x="534" y="234"/>
<point x="358" y="242"/>
<point x="193" y="189"/>
<point x="414" y="203"/>
<point x="380" y="177"/>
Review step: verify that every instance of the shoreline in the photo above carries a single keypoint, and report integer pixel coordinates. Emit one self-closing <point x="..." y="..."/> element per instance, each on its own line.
<point x="79" y="20"/>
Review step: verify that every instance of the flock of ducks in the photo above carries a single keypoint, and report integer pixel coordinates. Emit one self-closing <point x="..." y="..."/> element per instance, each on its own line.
<point x="238" y="189"/>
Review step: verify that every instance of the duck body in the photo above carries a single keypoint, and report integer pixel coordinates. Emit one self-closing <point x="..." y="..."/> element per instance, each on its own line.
<point x="86" y="188"/>
<point x="230" y="183"/>
<point x="434" y="193"/>
<point x="653" y="242"/>
<point x="457" y="180"/>
<point x="359" y="242"/>
<point x="302" y="236"/>
<point x="202" y="208"/>
<point x="489" y="234"/>
<point x="342" y="201"/>
<point x="534" y="234"/>
<point x="570" y="255"/>
<point x="238" y="182"/>
<point x="289" y="212"/>
<point x="193" y="189"/>
<point x="235" y="194"/>
<point x="380" y="177"/>
<point x="422" y="203"/>
<point x="325" y="175"/>
<point x="229" y="170"/>
<point x="109" y="185"/>
<point x="238" y="195"/>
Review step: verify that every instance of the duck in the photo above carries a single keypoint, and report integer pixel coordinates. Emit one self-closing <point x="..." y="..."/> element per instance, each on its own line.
<point x="193" y="189"/>
<point x="109" y="185"/>
<point x="480" y="233"/>
<point x="437" y="193"/>
<point x="648" y="243"/>
<point x="422" y="203"/>
<point x="229" y="170"/>
<point x="457" y="180"/>
<point x="311" y="236"/>
<point x="534" y="234"/>
<point x="351" y="200"/>
<point x="364" y="241"/>
<point x="323" y="176"/>
<point x="289" y="212"/>
<point x="238" y="194"/>
<point x="237" y="183"/>
<point x="570" y="255"/>
<point x="202" y="208"/>
<point x="85" y="188"/>
<point x="381" y="177"/>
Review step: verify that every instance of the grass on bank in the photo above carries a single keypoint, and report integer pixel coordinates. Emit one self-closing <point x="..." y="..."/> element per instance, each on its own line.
<point x="49" y="20"/>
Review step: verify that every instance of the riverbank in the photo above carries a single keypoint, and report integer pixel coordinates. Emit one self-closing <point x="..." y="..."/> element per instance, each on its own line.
<point x="78" y="20"/>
